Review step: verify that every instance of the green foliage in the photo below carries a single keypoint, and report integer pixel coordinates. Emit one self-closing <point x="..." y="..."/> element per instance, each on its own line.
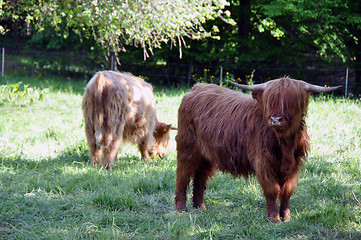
<point x="115" y="24"/>
<point x="21" y="94"/>
<point x="282" y="34"/>
<point x="50" y="190"/>
<point x="330" y="26"/>
<point x="47" y="39"/>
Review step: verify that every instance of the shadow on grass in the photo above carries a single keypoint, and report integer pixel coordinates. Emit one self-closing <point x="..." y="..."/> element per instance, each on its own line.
<point x="69" y="189"/>
<point x="66" y="192"/>
<point x="72" y="172"/>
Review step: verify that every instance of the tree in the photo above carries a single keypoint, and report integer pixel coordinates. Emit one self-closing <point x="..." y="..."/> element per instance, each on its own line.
<point x="331" y="28"/>
<point x="14" y="16"/>
<point x="287" y="33"/>
<point x="117" y="24"/>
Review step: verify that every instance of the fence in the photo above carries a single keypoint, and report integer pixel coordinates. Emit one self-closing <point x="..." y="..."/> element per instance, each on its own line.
<point x="83" y="66"/>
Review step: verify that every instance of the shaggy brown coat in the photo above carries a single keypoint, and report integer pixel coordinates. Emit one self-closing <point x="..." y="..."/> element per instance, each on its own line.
<point x="120" y="107"/>
<point x="262" y="134"/>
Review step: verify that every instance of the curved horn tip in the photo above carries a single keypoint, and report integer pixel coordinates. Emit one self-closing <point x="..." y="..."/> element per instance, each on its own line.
<point x="336" y="87"/>
<point x="233" y="83"/>
<point x="319" y="89"/>
<point x="254" y="87"/>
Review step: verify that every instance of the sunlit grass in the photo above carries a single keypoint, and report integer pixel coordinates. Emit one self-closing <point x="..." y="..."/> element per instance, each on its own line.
<point x="50" y="190"/>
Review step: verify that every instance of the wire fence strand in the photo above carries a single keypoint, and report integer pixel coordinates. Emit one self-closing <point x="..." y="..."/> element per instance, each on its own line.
<point x="83" y="66"/>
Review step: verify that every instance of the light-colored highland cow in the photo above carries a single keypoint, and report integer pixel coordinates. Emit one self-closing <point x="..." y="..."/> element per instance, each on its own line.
<point x="120" y="107"/>
<point x="263" y="134"/>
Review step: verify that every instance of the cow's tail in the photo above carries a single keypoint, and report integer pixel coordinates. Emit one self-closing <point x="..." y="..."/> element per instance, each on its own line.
<point x="101" y="83"/>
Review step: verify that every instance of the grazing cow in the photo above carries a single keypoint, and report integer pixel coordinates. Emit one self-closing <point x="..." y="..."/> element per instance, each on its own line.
<point x="263" y="134"/>
<point x="121" y="107"/>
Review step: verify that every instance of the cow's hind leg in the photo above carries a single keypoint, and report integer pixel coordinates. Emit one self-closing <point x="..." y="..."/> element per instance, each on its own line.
<point x="94" y="148"/>
<point x="96" y="152"/>
<point x="184" y="174"/>
<point x="112" y="145"/>
<point x="110" y="153"/>
<point x="286" y="193"/>
<point x="204" y="171"/>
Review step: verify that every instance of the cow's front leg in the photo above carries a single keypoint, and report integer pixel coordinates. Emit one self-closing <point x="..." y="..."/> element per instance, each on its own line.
<point x="145" y="146"/>
<point x="271" y="190"/>
<point x="272" y="208"/>
<point x="286" y="193"/>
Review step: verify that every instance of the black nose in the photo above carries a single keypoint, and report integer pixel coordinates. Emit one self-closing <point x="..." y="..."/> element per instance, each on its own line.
<point x="276" y="121"/>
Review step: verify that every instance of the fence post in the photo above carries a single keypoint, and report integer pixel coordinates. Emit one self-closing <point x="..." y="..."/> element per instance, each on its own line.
<point x="346" y="82"/>
<point x="3" y="62"/>
<point x="220" y="77"/>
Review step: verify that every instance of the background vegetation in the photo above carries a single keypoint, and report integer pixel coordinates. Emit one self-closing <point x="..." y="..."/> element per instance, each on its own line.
<point x="306" y="39"/>
<point x="49" y="190"/>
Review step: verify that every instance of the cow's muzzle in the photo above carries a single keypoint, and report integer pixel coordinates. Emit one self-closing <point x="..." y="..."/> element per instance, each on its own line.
<point x="276" y="121"/>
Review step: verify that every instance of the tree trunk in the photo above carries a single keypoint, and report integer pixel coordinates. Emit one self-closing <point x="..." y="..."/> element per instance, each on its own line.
<point x="14" y="30"/>
<point x="244" y="20"/>
<point x="113" y="62"/>
<point x="355" y="50"/>
<point x="357" y="68"/>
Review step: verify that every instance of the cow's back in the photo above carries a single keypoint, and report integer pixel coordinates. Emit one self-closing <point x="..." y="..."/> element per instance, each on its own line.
<point x="140" y="118"/>
<point x="213" y="122"/>
<point x="127" y="101"/>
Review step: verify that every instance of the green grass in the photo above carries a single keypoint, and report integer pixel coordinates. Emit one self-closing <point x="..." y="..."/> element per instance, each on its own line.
<point x="49" y="190"/>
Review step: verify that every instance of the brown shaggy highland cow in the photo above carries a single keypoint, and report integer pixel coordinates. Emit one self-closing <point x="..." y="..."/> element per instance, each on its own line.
<point x="120" y="107"/>
<point x="263" y="134"/>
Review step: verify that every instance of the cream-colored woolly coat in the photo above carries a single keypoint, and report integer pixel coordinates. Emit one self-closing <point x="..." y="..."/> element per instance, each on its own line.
<point x="119" y="107"/>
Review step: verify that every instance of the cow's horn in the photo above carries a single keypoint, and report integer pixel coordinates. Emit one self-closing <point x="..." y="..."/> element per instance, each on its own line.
<point x="319" y="89"/>
<point x="173" y="128"/>
<point x="261" y="86"/>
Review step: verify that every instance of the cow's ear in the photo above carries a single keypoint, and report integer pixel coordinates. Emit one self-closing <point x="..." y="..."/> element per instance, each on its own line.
<point x="166" y="128"/>
<point x="257" y="94"/>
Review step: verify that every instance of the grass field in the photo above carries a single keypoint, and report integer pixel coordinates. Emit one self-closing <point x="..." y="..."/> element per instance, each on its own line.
<point x="49" y="190"/>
